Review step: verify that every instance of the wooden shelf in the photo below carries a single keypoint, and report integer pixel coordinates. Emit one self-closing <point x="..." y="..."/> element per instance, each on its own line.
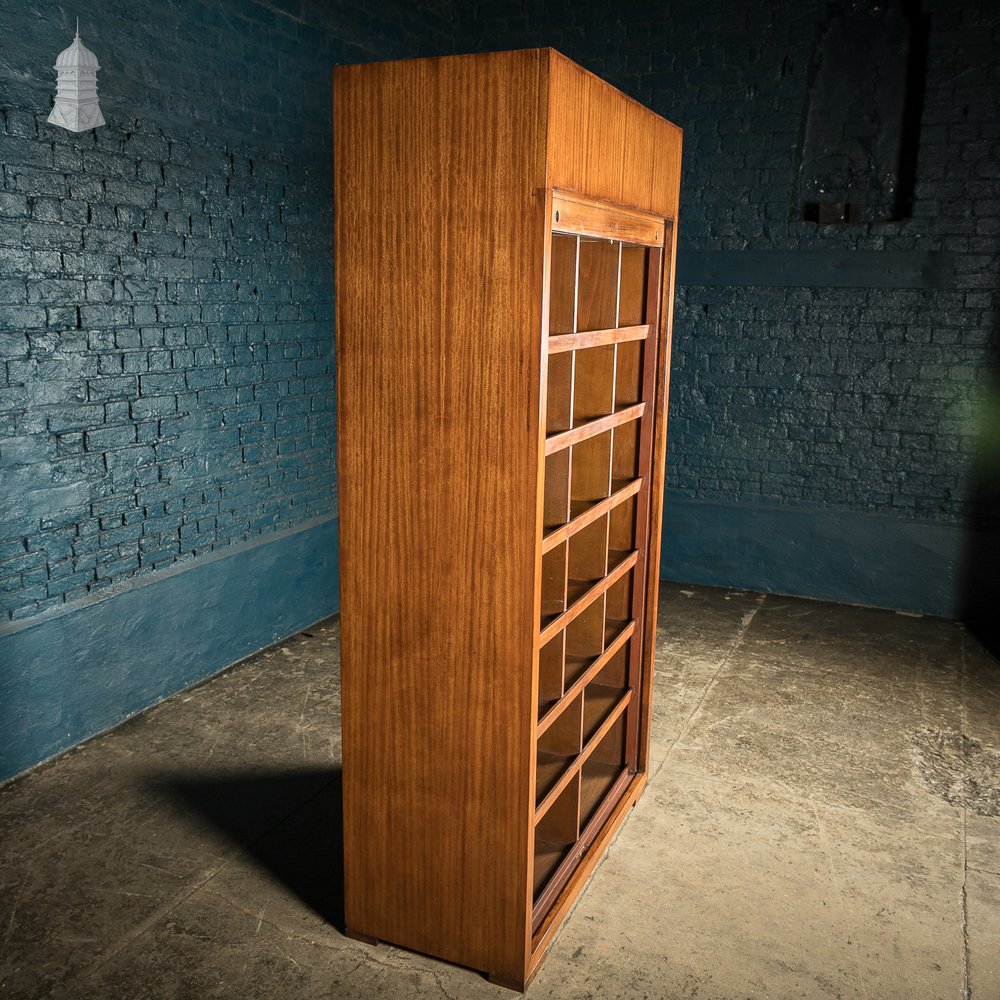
<point x="584" y="512"/>
<point x="596" y="780"/>
<point x="618" y="556"/>
<point x="557" y="442"/>
<point x="614" y="628"/>
<point x="578" y="795"/>
<point x="621" y="489"/>
<point x="555" y="500"/>
<point x="580" y="605"/>
<point x="554" y="771"/>
<point x="576" y="667"/>
<point x="596" y="338"/>
<point x="605" y="397"/>
<point x="580" y="670"/>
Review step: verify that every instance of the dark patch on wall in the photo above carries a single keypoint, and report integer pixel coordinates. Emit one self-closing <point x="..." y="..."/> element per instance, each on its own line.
<point x="862" y="121"/>
<point x="817" y="268"/>
<point x="980" y="592"/>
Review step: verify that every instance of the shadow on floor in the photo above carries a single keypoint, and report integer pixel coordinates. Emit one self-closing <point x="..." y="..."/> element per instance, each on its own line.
<point x="288" y="821"/>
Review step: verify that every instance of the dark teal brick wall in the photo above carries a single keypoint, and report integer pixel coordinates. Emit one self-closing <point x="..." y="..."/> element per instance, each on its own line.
<point x="166" y="307"/>
<point x="168" y="488"/>
<point x="832" y="372"/>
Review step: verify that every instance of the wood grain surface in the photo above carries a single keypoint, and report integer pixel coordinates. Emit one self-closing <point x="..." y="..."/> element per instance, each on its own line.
<point x="438" y="262"/>
<point x="607" y="146"/>
<point x="462" y="444"/>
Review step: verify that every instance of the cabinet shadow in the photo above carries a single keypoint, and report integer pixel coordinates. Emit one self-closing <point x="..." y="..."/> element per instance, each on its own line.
<point x="288" y="821"/>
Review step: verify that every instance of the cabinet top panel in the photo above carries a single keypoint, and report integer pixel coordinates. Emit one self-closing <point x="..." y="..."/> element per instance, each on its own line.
<point x="604" y="144"/>
<point x="597" y="141"/>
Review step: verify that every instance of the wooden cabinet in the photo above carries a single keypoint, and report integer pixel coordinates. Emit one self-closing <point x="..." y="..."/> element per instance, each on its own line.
<point x="504" y="245"/>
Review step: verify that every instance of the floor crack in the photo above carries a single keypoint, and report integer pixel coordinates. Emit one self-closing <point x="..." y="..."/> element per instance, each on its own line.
<point x="144" y="925"/>
<point x="966" y="978"/>
<point x="734" y="645"/>
<point x="966" y="982"/>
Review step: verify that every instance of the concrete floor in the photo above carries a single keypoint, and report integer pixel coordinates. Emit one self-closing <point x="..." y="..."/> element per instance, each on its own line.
<point x="823" y="821"/>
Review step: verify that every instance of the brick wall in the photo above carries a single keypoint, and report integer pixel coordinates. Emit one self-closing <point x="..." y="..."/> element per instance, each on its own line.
<point x="166" y="307"/>
<point x="811" y="392"/>
<point x="165" y="281"/>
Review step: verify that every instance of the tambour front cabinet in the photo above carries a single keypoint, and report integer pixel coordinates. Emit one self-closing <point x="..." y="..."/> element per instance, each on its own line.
<point x="505" y="232"/>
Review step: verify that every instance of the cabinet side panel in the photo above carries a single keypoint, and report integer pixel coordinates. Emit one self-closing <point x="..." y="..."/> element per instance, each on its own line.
<point x="437" y="165"/>
<point x="605" y="145"/>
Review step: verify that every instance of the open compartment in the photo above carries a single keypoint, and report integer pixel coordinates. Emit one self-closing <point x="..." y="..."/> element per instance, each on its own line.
<point x="557" y="747"/>
<point x="601" y="770"/>
<point x="584" y="640"/>
<point x="553" y="583"/>
<point x="555" y="501"/>
<point x="559" y="393"/>
<point x="555" y="834"/>
<point x="591" y="472"/>
<point x="597" y="288"/>
<point x="625" y="451"/>
<point x="618" y="602"/>
<point x="594" y="383"/>
<point x="562" y="284"/>
<point x="603" y="694"/>
<point x="563" y="738"/>
<point x="632" y="293"/>
<point x="621" y="526"/>
<point x="550" y="673"/>
<point x="614" y="673"/>
<point x="588" y="555"/>
<point x="628" y="373"/>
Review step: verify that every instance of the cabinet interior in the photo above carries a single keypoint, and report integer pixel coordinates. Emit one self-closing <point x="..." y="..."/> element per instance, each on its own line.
<point x="595" y="514"/>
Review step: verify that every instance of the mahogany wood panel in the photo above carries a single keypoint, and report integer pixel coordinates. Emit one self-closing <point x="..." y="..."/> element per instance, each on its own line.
<point x="608" y="146"/>
<point x="438" y="260"/>
<point x="597" y="294"/>
<point x="562" y="285"/>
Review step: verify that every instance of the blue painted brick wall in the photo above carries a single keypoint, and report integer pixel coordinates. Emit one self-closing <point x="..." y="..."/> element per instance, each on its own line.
<point x="830" y="398"/>
<point x="166" y="306"/>
<point x="166" y="381"/>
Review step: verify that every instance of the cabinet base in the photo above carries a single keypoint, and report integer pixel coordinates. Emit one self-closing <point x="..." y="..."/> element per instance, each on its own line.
<point x="517" y="985"/>
<point x="358" y="936"/>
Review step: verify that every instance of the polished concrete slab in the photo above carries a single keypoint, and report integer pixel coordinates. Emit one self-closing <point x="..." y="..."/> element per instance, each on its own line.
<point x="823" y="821"/>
